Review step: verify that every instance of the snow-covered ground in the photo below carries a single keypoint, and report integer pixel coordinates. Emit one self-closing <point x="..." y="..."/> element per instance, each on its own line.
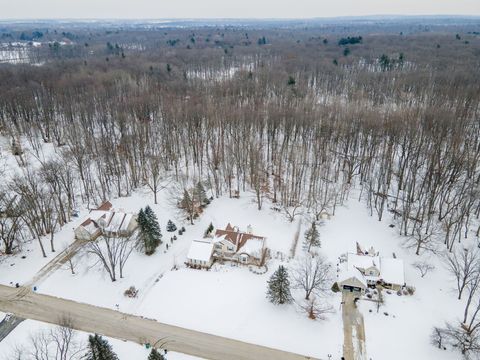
<point x="410" y="318"/>
<point x="21" y="336"/>
<point x="230" y="301"/>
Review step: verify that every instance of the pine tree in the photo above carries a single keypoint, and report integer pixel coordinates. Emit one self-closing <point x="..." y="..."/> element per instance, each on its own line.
<point x="200" y="193"/>
<point x="154" y="233"/>
<point x="99" y="349"/>
<point x="208" y="231"/>
<point x="141" y="218"/>
<point x="150" y="235"/>
<point x="188" y="205"/>
<point x="279" y="287"/>
<point x="155" y="355"/>
<point x="171" y="227"/>
<point x="312" y="237"/>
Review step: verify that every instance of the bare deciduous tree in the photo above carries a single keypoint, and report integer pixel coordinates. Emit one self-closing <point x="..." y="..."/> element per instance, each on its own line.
<point x="463" y="266"/>
<point x="316" y="308"/>
<point x="424" y="267"/>
<point x="312" y="274"/>
<point x="112" y="252"/>
<point x="59" y="343"/>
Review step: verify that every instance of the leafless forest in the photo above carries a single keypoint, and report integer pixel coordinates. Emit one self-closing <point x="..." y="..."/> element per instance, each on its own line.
<point x="300" y="114"/>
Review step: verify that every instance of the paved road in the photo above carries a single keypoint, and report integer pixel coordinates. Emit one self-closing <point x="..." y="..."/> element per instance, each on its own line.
<point x="89" y="318"/>
<point x="353" y="330"/>
<point x="8" y="325"/>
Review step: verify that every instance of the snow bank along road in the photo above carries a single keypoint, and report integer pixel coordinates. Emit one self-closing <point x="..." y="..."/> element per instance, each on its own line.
<point x="93" y="319"/>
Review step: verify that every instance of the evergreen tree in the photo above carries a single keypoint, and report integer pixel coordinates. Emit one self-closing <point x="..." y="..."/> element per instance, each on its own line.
<point x="279" y="287"/>
<point x="154" y="232"/>
<point x="209" y="230"/>
<point x="141" y="220"/>
<point x="188" y="205"/>
<point x="385" y="62"/>
<point x="200" y="193"/>
<point x="99" y="349"/>
<point x="171" y="227"/>
<point x="312" y="237"/>
<point x="155" y="355"/>
<point x="150" y="235"/>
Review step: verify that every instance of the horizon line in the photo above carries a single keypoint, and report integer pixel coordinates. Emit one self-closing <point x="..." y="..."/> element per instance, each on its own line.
<point x="245" y="18"/>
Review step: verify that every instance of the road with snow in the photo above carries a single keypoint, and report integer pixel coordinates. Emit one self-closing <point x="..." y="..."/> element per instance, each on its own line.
<point x="26" y="304"/>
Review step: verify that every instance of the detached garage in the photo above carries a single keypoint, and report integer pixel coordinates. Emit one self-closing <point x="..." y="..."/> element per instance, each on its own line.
<point x="352" y="281"/>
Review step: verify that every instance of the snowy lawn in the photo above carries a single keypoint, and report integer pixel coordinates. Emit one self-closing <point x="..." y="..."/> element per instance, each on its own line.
<point x="125" y="350"/>
<point x="230" y="301"/>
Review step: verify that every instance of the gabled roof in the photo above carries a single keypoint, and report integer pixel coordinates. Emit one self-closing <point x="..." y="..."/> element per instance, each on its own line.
<point x="392" y="271"/>
<point x="350" y="275"/>
<point x="236" y="237"/>
<point x="113" y="221"/>
<point x="253" y="247"/>
<point x="200" y="250"/>
<point x="106" y="206"/>
<point x="363" y="261"/>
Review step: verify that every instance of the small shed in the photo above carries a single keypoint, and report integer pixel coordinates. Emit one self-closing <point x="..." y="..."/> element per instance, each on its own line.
<point x="200" y="254"/>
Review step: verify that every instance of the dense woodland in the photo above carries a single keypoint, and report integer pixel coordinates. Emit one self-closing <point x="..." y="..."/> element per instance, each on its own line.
<point x="304" y="115"/>
<point x="287" y="113"/>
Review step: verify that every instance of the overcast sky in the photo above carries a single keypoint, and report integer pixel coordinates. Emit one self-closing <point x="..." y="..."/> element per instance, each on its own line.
<point x="155" y="9"/>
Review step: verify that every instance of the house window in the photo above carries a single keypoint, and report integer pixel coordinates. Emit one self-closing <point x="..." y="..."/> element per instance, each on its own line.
<point x="230" y="248"/>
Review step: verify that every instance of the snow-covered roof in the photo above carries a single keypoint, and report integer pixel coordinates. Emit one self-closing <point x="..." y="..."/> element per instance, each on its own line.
<point x="234" y="236"/>
<point x="113" y="221"/>
<point x="118" y="221"/>
<point x="90" y="227"/>
<point x="352" y="273"/>
<point x="363" y="261"/>
<point x="392" y="271"/>
<point x="200" y="250"/>
<point x="253" y="247"/>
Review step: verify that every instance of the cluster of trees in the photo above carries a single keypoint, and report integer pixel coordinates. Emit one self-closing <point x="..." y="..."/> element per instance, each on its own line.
<point x="36" y="203"/>
<point x="350" y="40"/>
<point x="464" y="267"/>
<point x="303" y="145"/>
<point x="63" y="343"/>
<point x="313" y="276"/>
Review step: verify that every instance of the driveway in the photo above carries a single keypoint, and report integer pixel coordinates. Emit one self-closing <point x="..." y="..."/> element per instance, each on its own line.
<point x="353" y="329"/>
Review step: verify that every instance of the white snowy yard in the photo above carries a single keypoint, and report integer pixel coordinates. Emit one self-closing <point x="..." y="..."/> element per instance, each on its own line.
<point x="30" y="328"/>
